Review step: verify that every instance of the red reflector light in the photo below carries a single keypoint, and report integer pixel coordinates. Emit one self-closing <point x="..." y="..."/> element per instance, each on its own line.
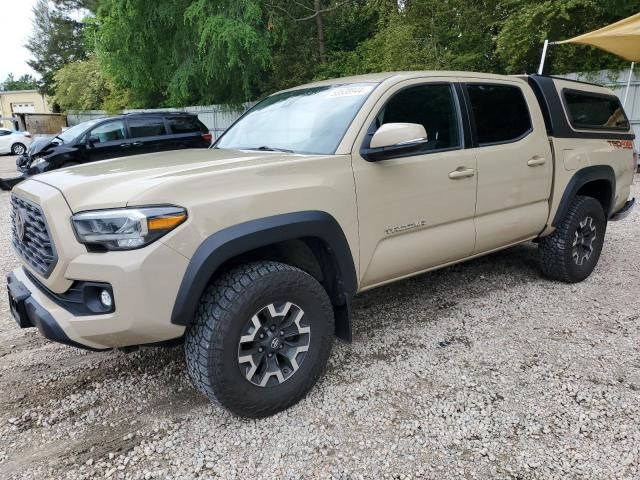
<point x="207" y="137"/>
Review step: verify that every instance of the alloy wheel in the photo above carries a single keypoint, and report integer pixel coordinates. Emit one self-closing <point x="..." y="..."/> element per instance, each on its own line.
<point x="585" y="235"/>
<point x="273" y="344"/>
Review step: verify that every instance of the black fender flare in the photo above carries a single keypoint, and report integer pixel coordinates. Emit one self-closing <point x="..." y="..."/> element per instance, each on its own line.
<point x="244" y="237"/>
<point x="581" y="178"/>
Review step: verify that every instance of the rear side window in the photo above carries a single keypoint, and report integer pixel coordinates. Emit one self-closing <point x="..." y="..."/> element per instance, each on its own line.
<point x="186" y="124"/>
<point x="593" y="111"/>
<point x="500" y="111"/>
<point x="146" y="127"/>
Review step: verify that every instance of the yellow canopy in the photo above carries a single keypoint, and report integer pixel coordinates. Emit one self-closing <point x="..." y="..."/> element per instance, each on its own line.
<point x="621" y="38"/>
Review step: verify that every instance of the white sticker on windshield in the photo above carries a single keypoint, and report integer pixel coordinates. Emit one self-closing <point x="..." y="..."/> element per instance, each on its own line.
<point x="348" y="91"/>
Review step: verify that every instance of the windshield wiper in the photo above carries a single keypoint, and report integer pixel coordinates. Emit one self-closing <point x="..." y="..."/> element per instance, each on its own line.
<point x="265" y="148"/>
<point x="61" y="139"/>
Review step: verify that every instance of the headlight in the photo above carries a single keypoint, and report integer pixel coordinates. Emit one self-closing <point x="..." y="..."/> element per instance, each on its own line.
<point x="37" y="161"/>
<point x="126" y="228"/>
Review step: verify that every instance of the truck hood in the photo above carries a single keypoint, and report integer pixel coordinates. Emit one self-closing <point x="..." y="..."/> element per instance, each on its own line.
<point x="112" y="183"/>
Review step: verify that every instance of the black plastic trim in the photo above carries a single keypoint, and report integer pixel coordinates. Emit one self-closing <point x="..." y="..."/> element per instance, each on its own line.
<point x="624" y="211"/>
<point x="581" y="178"/>
<point x="38" y="317"/>
<point x="555" y="116"/>
<point x="466" y="114"/>
<point x="81" y="299"/>
<point x="247" y="236"/>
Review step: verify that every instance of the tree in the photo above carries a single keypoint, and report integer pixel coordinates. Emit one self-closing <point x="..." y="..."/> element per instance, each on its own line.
<point x="185" y="51"/>
<point x="25" y="82"/>
<point x="57" y="38"/>
<point x="428" y="34"/>
<point x="520" y="39"/>
<point x="80" y="86"/>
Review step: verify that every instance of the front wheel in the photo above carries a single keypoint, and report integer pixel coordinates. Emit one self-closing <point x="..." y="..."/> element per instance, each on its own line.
<point x="18" y="149"/>
<point x="261" y="338"/>
<point x="572" y="251"/>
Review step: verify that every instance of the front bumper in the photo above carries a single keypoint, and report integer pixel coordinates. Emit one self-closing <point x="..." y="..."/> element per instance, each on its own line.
<point x="624" y="211"/>
<point x="144" y="284"/>
<point x="28" y="313"/>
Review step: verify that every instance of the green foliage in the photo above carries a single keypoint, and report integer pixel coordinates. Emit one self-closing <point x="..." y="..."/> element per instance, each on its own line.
<point x="181" y="52"/>
<point x="25" y="82"/>
<point x="153" y="53"/>
<point x="80" y="86"/>
<point x="57" y="39"/>
<point x="519" y="41"/>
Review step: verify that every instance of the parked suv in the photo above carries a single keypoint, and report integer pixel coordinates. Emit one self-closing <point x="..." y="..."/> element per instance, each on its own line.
<point x="106" y="138"/>
<point x="251" y="252"/>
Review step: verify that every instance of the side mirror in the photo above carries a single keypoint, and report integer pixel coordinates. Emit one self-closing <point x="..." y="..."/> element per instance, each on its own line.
<point x="394" y="134"/>
<point x="92" y="140"/>
<point x="394" y="140"/>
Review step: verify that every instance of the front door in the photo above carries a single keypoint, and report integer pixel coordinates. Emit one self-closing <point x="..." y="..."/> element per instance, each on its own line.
<point x="108" y="140"/>
<point x="515" y="164"/>
<point x="416" y="212"/>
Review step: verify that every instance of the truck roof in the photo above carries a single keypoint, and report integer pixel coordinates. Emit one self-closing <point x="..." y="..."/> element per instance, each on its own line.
<point x="406" y="75"/>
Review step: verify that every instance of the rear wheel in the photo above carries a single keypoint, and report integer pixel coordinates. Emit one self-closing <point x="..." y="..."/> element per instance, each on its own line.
<point x="572" y="251"/>
<point x="18" y="149"/>
<point x="261" y="338"/>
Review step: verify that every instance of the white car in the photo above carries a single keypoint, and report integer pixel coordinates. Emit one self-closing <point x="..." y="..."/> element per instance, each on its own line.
<point x="14" y="142"/>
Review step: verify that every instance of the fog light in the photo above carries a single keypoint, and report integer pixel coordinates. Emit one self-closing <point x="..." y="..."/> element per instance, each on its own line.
<point x="105" y="298"/>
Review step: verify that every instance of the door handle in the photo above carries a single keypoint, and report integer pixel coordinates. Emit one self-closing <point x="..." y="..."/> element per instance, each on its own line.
<point x="137" y="144"/>
<point x="462" y="173"/>
<point x="125" y="145"/>
<point x="537" y="161"/>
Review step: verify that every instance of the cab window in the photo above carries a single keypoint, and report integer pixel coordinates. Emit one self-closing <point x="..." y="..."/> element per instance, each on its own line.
<point x="500" y="112"/>
<point x="432" y="106"/>
<point x="108" y="132"/>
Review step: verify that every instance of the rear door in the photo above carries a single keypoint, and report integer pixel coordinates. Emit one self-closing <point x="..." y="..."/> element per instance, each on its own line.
<point x="148" y="134"/>
<point x="514" y="162"/>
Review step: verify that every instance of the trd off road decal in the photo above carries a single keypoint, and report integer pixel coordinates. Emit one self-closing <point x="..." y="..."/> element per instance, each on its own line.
<point x="621" y="144"/>
<point x="402" y="228"/>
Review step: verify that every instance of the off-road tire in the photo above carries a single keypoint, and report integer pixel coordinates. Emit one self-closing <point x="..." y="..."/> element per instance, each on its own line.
<point x="556" y="253"/>
<point x="212" y="342"/>
<point x="18" y="149"/>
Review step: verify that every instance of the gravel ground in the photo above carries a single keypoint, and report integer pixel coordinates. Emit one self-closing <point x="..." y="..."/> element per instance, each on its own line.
<point x="481" y="370"/>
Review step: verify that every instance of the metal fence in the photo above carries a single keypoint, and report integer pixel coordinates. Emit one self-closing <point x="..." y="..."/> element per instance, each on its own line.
<point x="217" y="118"/>
<point x="617" y="81"/>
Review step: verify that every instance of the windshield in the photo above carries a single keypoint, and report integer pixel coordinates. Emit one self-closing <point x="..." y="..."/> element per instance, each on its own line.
<point x="73" y="132"/>
<point x="310" y="120"/>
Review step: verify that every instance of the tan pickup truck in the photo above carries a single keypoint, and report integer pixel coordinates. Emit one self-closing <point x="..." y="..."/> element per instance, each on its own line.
<point x="251" y="252"/>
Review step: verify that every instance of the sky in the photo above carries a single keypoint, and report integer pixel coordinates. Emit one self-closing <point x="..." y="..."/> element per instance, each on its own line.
<point x="14" y="31"/>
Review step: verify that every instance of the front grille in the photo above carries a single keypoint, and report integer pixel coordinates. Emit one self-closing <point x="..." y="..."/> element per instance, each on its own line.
<point x="30" y="236"/>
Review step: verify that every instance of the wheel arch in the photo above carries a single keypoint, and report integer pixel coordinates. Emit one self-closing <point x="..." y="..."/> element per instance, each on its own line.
<point x="597" y="181"/>
<point x="311" y="240"/>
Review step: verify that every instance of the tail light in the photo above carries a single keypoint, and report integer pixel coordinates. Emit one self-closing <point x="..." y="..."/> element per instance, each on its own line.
<point x="207" y="137"/>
